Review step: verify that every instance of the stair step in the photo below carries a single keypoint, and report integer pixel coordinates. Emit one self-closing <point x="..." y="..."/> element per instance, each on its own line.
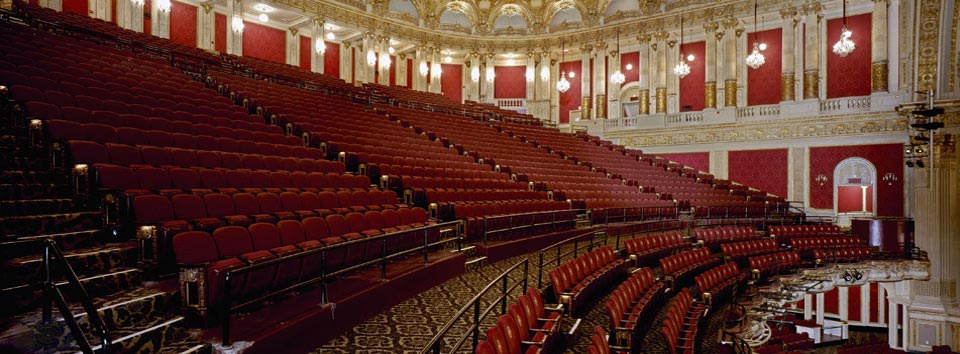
<point x="15" y="191"/>
<point x="30" y="206"/>
<point x="476" y="263"/>
<point x="84" y="261"/>
<point x="50" y="223"/>
<point x="147" y="336"/>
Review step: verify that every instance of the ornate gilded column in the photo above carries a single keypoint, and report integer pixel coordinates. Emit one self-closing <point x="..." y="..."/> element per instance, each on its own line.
<point x="471" y="64"/>
<point x="788" y="55"/>
<point x="206" y="27"/>
<point x="488" y="80"/>
<point x="813" y="14"/>
<point x="710" y="64"/>
<point x="660" y="75"/>
<point x="436" y="72"/>
<point x="878" y="48"/>
<point x="383" y="70"/>
<point x="730" y="62"/>
<point x="419" y="62"/>
<point x="599" y="81"/>
<point x="234" y="33"/>
<point x="643" y="70"/>
<point x="614" y="109"/>
<point x="316" y="57"/>
<point x="544" y="81"/>
<point x="586" y="52"/>
<point x="346" y="58"/>
<point x="530" y="73"/>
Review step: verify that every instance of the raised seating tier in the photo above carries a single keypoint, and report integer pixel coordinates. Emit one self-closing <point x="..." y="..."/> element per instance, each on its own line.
<point x="638" y="298"/>
<point x="646" y="250"/>
<point x="580" y="280"/>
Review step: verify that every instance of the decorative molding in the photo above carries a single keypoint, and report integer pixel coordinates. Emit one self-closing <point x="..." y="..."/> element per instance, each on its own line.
<point x="730" y="93"/>
<point x="878" y="76"/>
<point x="661" y="100"/>
<point x="928" y="41"/>
<point x="710" y="94"/>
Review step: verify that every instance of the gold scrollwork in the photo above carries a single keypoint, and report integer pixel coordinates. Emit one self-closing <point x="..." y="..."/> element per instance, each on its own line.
<point x="644" y="101"/>
<point x="710" y="94"/>
<point x="878" y="76"/>
<point x="661" y="100"/>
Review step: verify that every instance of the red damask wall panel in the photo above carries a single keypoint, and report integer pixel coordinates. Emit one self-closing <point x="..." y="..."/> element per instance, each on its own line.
<point x="850" y="75"/>
<point x="451" y="81"/>
<point x="331" y="60"/>
<point x="831" y="301"/>
<point x="884" y="157"/>
<point x="633" y="59"/>
<point x="113" y="11"/>
<point x="76" y="6"/>
<point x="697" y="160"/>
<point x="691" y="86"/>
<point x="306" y="50"/>
<point x="183" y="23"/>
<point x="264" y="42"/>
<point x="853" y="304"/>
<point x="220" y="32"/>
<point x="510" y="82"/>
<point x="570" y="100"/>
<point x="409" y="73"/>
<point x="850" y="199"/>
<point x="763" y="83"/>
<point x="875" y="302"/>
<point x="762" y="169"/>
<point x="393" y="70"/>
<point x="146" y="15"/>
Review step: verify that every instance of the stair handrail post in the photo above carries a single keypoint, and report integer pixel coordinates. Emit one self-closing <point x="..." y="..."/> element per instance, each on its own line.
<point x="47" y="281"/>
<point x="50" y="247"/>
<point x="225" y="315"/>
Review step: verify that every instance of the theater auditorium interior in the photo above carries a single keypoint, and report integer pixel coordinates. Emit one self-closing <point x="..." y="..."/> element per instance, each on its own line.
<point x="479" y="176"/>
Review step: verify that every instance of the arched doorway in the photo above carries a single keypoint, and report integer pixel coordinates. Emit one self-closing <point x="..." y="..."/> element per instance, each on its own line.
<point x="854" y="188"/>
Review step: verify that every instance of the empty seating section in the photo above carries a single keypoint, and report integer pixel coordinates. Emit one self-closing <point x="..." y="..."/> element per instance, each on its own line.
<point x="680" y="326"/>
<point x="580" y="280"/>
<point x="827" y="249"/>
<point x="719" y="282"/>
<point x="681" y="267"/>
<point x="774" y="263"/>
<point x="646" y="250"/>
<point x="784" y="233"/>
<point x="714" y="236"/>
<point x="636" y="299"/>
<point x="739" y="251"/>
<point x="524" y="329"/>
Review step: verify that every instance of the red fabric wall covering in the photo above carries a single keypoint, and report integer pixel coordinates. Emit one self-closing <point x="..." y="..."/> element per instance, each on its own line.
<point x="634" y="73"/>
<point x="850" y="199"/>
<point x="853" y="304"/>
<point x="763" y="83"/>
<point x="884" y="157"/>
<point x="353" y="65"/>
<point x="763" y="169"/>
<point x="509" y="82"/>
<point x="831" y="301"/>
<point x="410" y="73"/>
<point x="850" y="75"/>
<point x="331" y="60"/>
<point x="697" y="160"/>
<point x="306" y="52"/>
<point x="147" y="29"/>
<point x="570" y="100"/>
<point x="264" y="42"/>
<point x="875" y="303"/>
<point x="451" y="81"/>
<point x="76" y="6"/>
<point x="113" y="10"/>
<point x="393" y="70"/>
<point x="220" y="33"/>
<point x="692" y="85"/>
<point x="183" y="23"/>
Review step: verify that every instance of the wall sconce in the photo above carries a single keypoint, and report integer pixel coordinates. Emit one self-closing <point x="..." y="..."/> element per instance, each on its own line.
<point x="475" y="74"/>
<point x="491" y="74"/>
<point x="821" y="179"/>
<point x="529" y="74"/>
<point x="371" y="57"/>
<point x="237" y="24"/>
<point x="890" y="178"/>
<point x="424" y="69"/>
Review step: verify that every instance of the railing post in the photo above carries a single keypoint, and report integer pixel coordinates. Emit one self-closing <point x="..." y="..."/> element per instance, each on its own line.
<point x="540" y="271"/>
<point x="526" y="274"/>
<point x="503" y="296"/>
<point x="383" y="258"/>
<point x="484" y="230"/>
<point x="47" y="298"/>
<point x="225" y="316"/>
<point x="476" y="323"/>
<point x="426" y="246"/>
<point x="323" y="276"/>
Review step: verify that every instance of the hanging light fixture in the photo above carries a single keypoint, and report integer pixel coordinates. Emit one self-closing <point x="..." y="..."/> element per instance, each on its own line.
<point x="424" y="69"/>
<point x="756" y="59"/>
<point x="237" y="23"/>
<point x="562" y="84"/>
<point x="138" y="2"/>
<point x="681" y="69"/>
<point x="319" y="45"/>
<point x="371" y="57"/>
<point x="436" y="71"/>
<point x="491" y="74"/>
<point x="475" y="73"/>
<point x="530" y="74"/>
<point x="385" y="61"/>
<point x="544" y="73"/>
<point x="164" y="5"/>
<point x="617" y="77"/>
<point x="845" y="45"/>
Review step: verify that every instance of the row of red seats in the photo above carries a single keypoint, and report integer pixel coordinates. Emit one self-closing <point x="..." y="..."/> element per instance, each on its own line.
<point x="855" y="254"/>
<point x="88" y="152"/>
<point x="578" y="281"/>
<point x="479" y="195"/>
<point x="678" y="268"/>
<point x="647" y="249"/>
<point x="680" y="327"/>
<point x="203" y="180"/>
<point x="604" y="211"/>
<point x="739" y="251"/>
<point x="718" y="282"/>
<point x="788" y="343"/>
<point x="416" y="182"/>
<point x="811" y="243"/>
<point x="769" y="264"/>
<point x="637" y="299"/>
<point x="233" y="247"/>
<point x="527" y="327"/>
<point x="786" y="232"/>
<point x="714" y="236"/>
<point x="599" y="344"/>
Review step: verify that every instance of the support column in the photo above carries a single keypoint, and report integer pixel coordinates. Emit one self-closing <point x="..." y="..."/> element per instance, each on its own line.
<point x="100" y="9"/>
<point x="293" y="46"/>
<point x="544" y="81"/>
<point x="382" y="46"/>
<point x="585" y="73"/>
<point x="401" y="65"/>
<point x="124" y="11"/>
<point x="52" y="4"/>
<point x="419" y="61"/>
<point x="710" y="65"/>
<point x="614" y="109"/>
<point x="893" y="47"/>
<point x="530" y="74"/>
<point x="553" y="93"/>
<point x="206" y="27"/>
<point x="672" y="81"/>
<point x="788" y="55"/>
<point x="599" y="81"/>
<point x="488" y="76"/>
<point x="811" y="75"/>
<point x="234" y="37"/>
<point x="367" y="72"/>
<point x="473" y="68"/>
<point x="160" y="24"/>
<point x="317" y="47"/>
<point x="436" y="71"/>
<point x="346" y="62"/>
<point x="878" y="48"/>
<point x="730" y="62"/>
<point x="643" y="71"/>
<point x="659" y="80"/>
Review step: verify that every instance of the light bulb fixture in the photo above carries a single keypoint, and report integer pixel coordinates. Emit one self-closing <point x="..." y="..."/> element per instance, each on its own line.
<point x="164" y="5"/>
<point x="424" y="69"/>
<point x="331" y="36"/>
<point x="562" y="84"/>
<point x="491" y="74"/>
<point x="690" y="57"/>
<point x="530" y="74"/>
<point x="475" y="74"/>
<point x="436" y="71"/>
<point x="320" y="46"/>
<point x="629" y="67"/>
<point x="845" y="45"/>
<point x="756" y="59"/>
<point x="763" y="46"/>
<point x="391" y="50"/>
<point x="681" y="69"/>
<point x="137" y="2"/>
<point x="572" y="74"/>
<point x="544" y="73"/>
<point x="237" y="23"/>
<point x="447" y="59"/>
<point x="371" y="57"/>
<point x="263" y="18"/>
<point x="385" y="61"/>
<point x="617" y="77"/>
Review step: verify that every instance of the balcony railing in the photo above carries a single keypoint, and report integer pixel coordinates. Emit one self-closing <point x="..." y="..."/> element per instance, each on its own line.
<point x="764" y="111"/>
<point x="511" y="103"/>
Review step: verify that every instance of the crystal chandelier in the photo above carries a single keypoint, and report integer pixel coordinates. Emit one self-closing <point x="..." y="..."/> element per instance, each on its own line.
<point x="385" y="61"/>
<point x="756" y="59"/>
<point x="237" y="23"/>
<point x="436" y="71"/>
<point x="371" y="57"/>
<point x="424" y="69"/>
<point x="681" y="69"/>
<point x="320" y="46"/>
<point x="845" y="45"/>
<point x="491" y="74"/>
<point x="562" y="85"/>
<point x="617" y="77"/>
<point x="475" y="74"/>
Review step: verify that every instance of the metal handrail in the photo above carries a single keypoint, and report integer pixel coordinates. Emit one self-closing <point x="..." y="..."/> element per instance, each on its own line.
<point x="511" y="227"/>
<point x="229" y="308"/>
<point x="52" y="293"/>
<point x="434" y="344"/>
<point x="556" y="249"/>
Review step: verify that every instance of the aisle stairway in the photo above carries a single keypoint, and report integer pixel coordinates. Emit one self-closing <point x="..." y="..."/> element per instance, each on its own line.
<point x="39" y="203"/>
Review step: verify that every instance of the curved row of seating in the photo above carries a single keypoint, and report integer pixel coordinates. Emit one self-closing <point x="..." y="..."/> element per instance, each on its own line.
<point x="739" y="251"/>
<point x="647" y="249"/>
<point x="856" y="254"/>
<point x="774" y="263"/>
<point x="714" y="236"/>
<point x="599" y="344"/>
<point x="719" y="282"/>
<point x="204" y="180"/>
<point x="580" y="280"/>
<point x="812" y="243"/>
<point x="523" y="329"/>
<point x="786" y="232"/>
<point x="680" y="327"/>
<point x="519" y="217"/>
<point x="679" y="268"/>
<point x="636" y="299"/>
